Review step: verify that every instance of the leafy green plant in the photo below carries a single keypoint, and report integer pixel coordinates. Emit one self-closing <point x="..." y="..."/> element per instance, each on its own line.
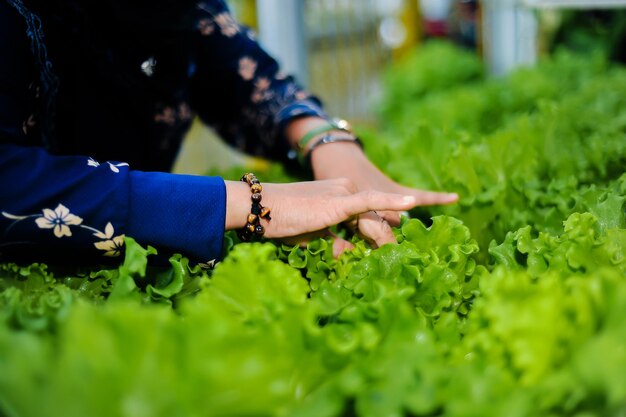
<point x="510" y="303"/>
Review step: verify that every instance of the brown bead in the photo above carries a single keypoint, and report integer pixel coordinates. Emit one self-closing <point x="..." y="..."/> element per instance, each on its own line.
<point x="256" y="188"/>
<point x="265" y="213"/>
<point x="248" y="177"/>
<point x="252" y="218"/>
<point x="259" y="229"/>
<point x="256" y="197"/>
<point x="251" y="227"/>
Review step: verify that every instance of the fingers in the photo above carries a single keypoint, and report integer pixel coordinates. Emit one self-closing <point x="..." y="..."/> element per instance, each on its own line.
<point x="375" y="229"/>
<point x="340" y="246"/>
<point x="392" y="217"/>
<point x="371" y="200"/>
<point x="422" y="198"/>
<point x="301" y="210"/>
<point x="430" y="198"/>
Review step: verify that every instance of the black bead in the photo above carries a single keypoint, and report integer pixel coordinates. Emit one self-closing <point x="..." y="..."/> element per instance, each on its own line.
<point x="256" y="208"/>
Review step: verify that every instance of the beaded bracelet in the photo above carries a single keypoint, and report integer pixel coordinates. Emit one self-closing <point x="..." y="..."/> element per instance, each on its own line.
<point x="253" y="225"/>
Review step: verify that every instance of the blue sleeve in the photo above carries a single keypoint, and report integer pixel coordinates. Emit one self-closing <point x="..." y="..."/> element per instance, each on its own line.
<point x="59" y="208"/>
<point x="239" y="89"/>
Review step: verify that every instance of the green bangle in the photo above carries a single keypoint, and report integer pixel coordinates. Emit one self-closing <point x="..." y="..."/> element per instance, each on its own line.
<point x="312" y="133"/>
<point x="334" y="124"/>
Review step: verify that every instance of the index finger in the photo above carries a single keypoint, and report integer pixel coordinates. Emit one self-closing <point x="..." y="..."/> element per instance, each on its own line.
<point x="372" y="200"/>
<point x="430" y="198"/>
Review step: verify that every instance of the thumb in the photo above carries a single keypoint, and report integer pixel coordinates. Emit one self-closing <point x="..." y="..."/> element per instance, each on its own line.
<point x="340" y="245"/>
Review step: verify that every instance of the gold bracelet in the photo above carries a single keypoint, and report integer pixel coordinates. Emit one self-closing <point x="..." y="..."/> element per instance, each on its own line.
<point x="253" y="225"/>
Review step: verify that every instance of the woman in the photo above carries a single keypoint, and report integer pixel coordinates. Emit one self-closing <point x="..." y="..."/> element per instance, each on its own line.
<point x="119" y="82"/>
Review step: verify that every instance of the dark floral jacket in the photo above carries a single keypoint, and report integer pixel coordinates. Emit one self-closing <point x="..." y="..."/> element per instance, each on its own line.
<point x="92" y="117"/>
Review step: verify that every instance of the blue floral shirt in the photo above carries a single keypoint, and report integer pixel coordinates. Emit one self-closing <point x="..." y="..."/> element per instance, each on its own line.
<point x="90" y="123"/>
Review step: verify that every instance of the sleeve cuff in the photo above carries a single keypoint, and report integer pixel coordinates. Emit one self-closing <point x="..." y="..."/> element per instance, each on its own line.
<point x="301" y="108"/>
<point x="297" y="109"/>
<point x="179" y="213"/>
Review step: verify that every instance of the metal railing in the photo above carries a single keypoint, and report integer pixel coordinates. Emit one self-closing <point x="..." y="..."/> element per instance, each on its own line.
<point x="345" y="55"/>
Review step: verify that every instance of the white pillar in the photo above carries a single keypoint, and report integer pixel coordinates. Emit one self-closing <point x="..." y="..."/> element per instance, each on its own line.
<point x="281" y="32"/>
<point x="509" y="35"/>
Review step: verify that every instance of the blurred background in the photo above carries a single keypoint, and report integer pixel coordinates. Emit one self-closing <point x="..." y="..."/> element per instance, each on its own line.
<point x="342" y="49"/>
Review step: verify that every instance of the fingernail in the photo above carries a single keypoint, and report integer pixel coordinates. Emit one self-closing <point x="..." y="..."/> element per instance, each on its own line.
<point x="409" y="199"/>
<point x="453" y="196"/>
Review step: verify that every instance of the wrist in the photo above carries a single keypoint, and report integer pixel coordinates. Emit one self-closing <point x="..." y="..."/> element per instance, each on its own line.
<point x="308" y="133"/>
<point x="330" y="138"/>
<point x="298" y="128"/>
<point x="339" y="159"/>
<point x="237" y="204"/>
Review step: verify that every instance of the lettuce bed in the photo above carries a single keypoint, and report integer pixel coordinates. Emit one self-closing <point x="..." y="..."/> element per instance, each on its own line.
<point x="509" y="303"/>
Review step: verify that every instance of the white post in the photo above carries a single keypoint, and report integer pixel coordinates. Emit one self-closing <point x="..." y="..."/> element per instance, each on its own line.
<point x="509" y="35"/>
<point x="281" y="32"/>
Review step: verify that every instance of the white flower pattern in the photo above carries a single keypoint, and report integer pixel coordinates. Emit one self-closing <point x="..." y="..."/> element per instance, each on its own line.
<point x="208" y="265"/>
<point x="111" y="247"/>
<point x="107" y="234"/>
<point x="114" y="167"/>
<point x="60" y="219"/>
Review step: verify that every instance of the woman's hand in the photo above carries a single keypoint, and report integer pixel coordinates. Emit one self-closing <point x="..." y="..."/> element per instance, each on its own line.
<point x="303" y="210"/>
<point x="347" y="160"/>
<point x="343" y="168"/>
